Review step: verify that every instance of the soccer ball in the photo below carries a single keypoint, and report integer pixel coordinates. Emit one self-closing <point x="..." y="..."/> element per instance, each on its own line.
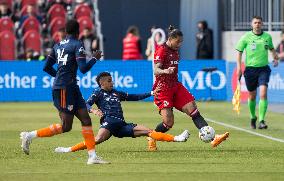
<point x="206" y="134"/>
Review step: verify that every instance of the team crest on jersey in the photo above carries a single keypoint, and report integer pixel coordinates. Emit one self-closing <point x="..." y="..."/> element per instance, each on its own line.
<point x="82" y="50"/>
<point x="70" y="107"/>
<point x="157" y="57"/>
<point x="104" y="124"/>
<point x="166" y="103"/>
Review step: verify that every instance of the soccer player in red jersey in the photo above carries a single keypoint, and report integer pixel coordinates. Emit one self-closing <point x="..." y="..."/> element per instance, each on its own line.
<point x="172" y="93"/>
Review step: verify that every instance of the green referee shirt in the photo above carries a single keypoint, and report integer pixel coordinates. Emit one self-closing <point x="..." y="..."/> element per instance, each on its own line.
<point x="256" y="47"/>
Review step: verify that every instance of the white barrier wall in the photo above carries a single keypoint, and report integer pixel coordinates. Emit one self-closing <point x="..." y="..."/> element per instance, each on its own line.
<point x="230" y="39"/>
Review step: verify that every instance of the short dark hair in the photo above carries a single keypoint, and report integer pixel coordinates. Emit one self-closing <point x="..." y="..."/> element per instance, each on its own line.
<point x="173" y="32"/>
<point x="257" y="17"/>
<point x="100" y="76"/>
<point x="72" y="27"/>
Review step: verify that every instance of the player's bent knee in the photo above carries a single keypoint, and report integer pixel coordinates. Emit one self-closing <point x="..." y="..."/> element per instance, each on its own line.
<point x="66" y="128"/>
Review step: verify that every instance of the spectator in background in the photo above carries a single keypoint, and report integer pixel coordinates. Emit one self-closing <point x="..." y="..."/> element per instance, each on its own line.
<point x="132" y="45"/>
<point x="149" y="50"/>
<point x="90" y="42"/>
<point x="6" y="12"/>
<point x="204" y="41"/>
<point x="31" y="12"/>
<point x="280" y="47"/>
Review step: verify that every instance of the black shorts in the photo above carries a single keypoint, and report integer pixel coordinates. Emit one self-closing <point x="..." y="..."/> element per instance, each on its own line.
<point x="118" y="127"/>
<point x="68" y="100"/>
<point x="256" y="76"/>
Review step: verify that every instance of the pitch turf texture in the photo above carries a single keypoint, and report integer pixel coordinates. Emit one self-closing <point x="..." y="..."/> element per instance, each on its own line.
<point x="243" y="157"/>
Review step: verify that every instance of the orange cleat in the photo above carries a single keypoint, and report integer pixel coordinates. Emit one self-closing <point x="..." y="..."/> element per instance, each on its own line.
<point x="219" y="139"/>
<point x="151" y="144"/>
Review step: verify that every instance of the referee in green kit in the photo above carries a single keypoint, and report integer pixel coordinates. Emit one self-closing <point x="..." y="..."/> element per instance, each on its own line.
<point x="256" y="43"/>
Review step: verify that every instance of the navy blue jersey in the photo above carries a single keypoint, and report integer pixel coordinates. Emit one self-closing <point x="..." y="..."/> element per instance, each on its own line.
<point x="109" y="102"/>
<point x="68" y="54"/>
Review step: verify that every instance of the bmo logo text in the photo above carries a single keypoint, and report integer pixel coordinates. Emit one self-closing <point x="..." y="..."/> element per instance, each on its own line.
<point x="203" y="80"/>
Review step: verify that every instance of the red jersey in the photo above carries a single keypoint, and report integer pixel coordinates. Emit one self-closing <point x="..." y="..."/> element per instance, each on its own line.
<point x="168" y="58"/>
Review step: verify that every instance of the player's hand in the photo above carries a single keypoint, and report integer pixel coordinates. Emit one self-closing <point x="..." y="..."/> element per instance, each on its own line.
<point x="239" y="73"/>
<point x="97" y="54"/>
<point x="170" y="70"/>
<point x="97" y="112"/>
<point x="275" y="63"/>
<point x="275" y="60"/>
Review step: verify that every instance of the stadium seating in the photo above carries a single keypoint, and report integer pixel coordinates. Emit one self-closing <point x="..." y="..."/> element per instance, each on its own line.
<point x="31" y="23"/>
<point x="56" y="24"/>
<point x="56" y="10"/>
<point x="7" y="45"/>
<point x="82" y="10"/>
<point x="32" y="40"/>
<point x="6" y="24"/>
<point x="85" y="22"/>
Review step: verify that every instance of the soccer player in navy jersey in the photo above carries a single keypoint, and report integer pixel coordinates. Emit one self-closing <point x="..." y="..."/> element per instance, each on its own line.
<point x="172" y="93"/>
<point x="108" y="101"/>
<point x="69" y="54"/>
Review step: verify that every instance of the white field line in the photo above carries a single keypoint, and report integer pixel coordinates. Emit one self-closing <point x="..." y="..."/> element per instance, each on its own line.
<point x="245" y="130"/>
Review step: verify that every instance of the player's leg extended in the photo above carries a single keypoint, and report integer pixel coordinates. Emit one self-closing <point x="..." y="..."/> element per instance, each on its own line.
<point x="59" y="99"/>
<point x="54" y="129"/>
<point x="88" y="134"/>
<point x="103" y="135"/>
<point x="141" y="130"/>
<point x="262" y="106"/>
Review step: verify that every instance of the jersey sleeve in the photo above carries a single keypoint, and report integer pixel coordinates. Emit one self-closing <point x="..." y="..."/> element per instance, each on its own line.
<point x="159" y="55"/>
<point x="242" y="44"/>
<point x="50" y="61"/>
<point x="122" y="95"/>
<point x="92" y="99"/>
<point x="270" y="43"/>
<point x="132" y="97"/>
<point x="80" y="52"/>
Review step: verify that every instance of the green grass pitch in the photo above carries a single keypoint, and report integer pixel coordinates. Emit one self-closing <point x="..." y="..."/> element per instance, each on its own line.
<point x="242" y="157"/>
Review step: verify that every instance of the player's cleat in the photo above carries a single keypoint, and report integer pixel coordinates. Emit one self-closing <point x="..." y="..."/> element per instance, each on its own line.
<point x="62" y="150"/>
<point x="253" y="123"/>
<point x="262" y="125"/>
<point x="26" y="141"/>
<point x="96" y="160"/>
<point x="219" y="139"/>
<point x="182" y="137"/>
<point x="151" y="144"/>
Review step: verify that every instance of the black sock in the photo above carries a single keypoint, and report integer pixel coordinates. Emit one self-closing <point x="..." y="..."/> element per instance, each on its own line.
<point x="198" y="120"/>
<point x="162" y="127"/>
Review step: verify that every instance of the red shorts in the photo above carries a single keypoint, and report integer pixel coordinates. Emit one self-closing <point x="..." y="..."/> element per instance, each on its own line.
<point x="176" y="96"/>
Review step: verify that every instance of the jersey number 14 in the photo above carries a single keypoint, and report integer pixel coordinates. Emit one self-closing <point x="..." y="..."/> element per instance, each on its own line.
<point x="60" y="57"/>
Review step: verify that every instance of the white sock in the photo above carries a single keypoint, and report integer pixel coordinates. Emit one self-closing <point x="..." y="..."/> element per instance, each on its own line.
<point x="33" y="134"/>
<point x="92" y="153"/>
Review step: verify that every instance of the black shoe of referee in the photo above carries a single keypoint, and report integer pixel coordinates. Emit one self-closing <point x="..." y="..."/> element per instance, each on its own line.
<point x="253" y="123"/>
<point x="262" y="125"/>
